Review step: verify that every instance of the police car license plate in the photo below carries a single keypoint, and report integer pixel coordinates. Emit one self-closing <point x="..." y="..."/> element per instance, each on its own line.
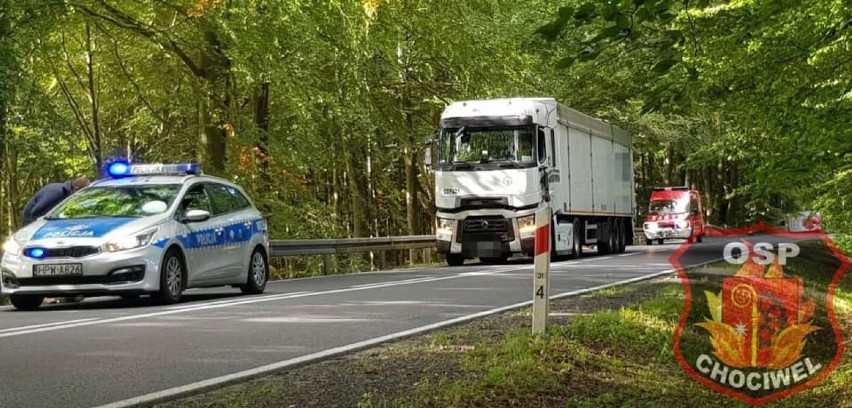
<point x="58" y="270"/>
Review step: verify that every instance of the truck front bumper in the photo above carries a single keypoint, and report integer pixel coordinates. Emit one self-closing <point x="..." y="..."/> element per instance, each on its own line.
<point x="666" y="233"/>
<point x="490" y="249"/>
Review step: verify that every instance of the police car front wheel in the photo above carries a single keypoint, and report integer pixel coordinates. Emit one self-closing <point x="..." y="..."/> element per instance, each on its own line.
<point x="26" y="302"/>
<point x="171" y="278"/>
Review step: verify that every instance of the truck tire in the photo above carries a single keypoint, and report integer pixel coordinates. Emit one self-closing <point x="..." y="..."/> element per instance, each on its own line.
<point x="600" y="242"/>
<point x="621" y="237"/>
<point x="613" y="236"/>
<point x="649" y="241"/>
<point x="577" y="247"/>
<point x="455" y="259"/>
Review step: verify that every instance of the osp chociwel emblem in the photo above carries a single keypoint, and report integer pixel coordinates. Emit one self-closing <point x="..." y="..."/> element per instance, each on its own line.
<point x="758" y="324"/>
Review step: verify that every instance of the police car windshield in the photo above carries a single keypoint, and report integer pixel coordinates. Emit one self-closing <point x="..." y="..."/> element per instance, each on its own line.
<point x="117" y="201"/>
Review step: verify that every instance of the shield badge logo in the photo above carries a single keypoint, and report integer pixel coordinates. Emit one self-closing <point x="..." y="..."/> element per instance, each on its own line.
<point x="758" y="321"/>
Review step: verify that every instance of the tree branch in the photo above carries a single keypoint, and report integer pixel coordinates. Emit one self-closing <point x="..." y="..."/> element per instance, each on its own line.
<point x="119" y="19"/>
<point x="70" y="66"/>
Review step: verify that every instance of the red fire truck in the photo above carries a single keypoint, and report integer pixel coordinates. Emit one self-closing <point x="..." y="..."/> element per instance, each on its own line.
<point x="674" y="213"/>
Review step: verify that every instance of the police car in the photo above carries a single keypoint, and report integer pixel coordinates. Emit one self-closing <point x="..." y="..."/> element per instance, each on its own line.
<point x="154" y="229"/>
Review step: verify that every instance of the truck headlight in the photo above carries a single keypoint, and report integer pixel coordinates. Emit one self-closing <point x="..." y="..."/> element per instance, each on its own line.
<point x="11" y="246"/>
<point x="132" y="241"/>
<point x="526" y="225"/>
<point x="445" y="226"/>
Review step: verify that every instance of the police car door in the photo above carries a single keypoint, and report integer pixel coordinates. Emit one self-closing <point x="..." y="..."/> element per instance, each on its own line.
<point x="198" y="238"/>
<point x="229" y="219"/>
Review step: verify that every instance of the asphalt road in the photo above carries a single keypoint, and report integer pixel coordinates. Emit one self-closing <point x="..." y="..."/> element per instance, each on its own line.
<point x="106" y="350"/>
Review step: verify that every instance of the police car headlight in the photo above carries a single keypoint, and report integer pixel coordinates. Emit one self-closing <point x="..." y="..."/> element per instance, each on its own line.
<point x="132" y="242"/>
<point x="12" y="246"/>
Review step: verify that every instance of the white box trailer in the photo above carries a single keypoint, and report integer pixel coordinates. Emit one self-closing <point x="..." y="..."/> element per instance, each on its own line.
<point x="496" y="162"/>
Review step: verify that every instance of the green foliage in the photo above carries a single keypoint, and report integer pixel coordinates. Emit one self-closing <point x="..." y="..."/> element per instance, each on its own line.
<point x="319" y="108"/>
<point x="764" y="86"/>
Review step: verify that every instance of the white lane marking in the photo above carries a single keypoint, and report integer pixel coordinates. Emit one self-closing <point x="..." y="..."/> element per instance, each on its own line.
<point x="218" y="302"/>
<point x="364" y="285"/>
<point x="221" y="304"/>
<point x="196" y="308"/>
<point x="46" y="325"/>
<point x="630" y="254"/>
<point x="242" y="375"/>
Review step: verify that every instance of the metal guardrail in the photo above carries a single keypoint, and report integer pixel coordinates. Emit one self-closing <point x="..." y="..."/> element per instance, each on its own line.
<point x="298" y="247"/>
<point x="329" y="247"/>
<point x="305" y="247"/>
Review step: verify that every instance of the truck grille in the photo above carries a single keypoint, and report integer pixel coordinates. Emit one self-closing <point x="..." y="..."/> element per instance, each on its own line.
<point x="486" y="225"/>
<point x="484" y="229"/>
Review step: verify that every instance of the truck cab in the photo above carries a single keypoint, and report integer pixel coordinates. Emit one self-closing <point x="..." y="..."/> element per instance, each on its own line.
<point x="674" y="213"/>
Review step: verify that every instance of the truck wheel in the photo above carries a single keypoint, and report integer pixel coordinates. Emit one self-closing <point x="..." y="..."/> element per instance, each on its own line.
<point x="455" y="259"/>
<point x="700" y="236"/>
<point x="622" y="237"/>
<point x="603" y="238"/>
<point x="577" y="246"/>
<point x="660" y="241"/>
<point x="649" y="241"/>
<point x="613" y="237"/>
<point x="26" y="302"/>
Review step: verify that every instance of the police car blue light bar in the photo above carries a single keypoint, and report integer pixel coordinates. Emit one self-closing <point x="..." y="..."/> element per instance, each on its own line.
<point x="120" y="169"/>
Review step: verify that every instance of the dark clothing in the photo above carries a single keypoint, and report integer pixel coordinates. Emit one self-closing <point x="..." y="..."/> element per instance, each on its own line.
<point x="44" y="201"/>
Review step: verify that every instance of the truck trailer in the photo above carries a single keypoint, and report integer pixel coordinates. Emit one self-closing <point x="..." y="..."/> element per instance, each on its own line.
<point x="497" y="162"/>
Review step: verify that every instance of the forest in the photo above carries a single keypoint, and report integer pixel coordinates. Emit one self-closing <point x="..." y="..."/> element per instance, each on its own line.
<point x="320" y="108"/>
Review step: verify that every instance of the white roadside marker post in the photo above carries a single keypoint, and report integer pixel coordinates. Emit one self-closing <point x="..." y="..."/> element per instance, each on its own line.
<point x="541" y="280"/>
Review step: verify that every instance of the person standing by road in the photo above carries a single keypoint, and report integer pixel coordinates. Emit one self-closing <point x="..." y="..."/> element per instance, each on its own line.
<point x="49" y="196"/>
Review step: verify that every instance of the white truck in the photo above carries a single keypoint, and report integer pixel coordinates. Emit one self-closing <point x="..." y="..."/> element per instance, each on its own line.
<point x="496" y="162"/>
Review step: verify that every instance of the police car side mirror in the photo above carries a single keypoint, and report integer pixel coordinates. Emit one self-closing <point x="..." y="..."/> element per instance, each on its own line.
<point x="196" y="216"/>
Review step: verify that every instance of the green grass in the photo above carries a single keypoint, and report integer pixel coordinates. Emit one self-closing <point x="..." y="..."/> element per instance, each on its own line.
<point x="844" y="243"/>
<point x="606" y="359"/>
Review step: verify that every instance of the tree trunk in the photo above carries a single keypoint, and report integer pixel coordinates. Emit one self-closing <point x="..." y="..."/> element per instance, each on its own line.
<point x="670" y="166"/>
<point x="357" y="197"/>
<point x="4" y="230"/>
<point x="216" y="68"/>
<point x="261" y="122"/>
<point x="709" y="205"/>
<point x="93" y="101"/>
<point x="12" y="191"/>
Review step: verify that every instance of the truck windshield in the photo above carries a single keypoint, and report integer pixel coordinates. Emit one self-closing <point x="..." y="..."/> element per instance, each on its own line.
<point x="668" y="206"/>
<point x="486" y="148"/>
